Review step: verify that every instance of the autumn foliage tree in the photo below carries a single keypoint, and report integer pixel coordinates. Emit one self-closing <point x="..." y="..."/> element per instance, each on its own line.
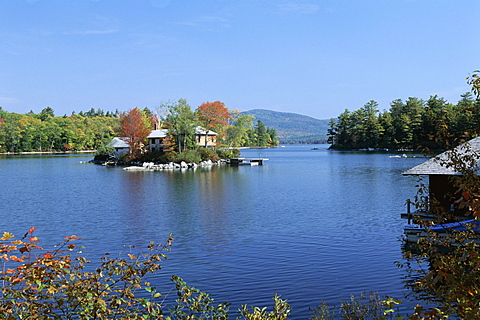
<point x="135" y="126"/>
<point x="213" y="116"/>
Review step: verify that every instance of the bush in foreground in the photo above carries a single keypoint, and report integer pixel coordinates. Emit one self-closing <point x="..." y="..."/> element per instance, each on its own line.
<point x="61" y="284"/>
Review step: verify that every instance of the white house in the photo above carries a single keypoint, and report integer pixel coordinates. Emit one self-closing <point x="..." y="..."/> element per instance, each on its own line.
<point x="157" y="139"/>
<point x="205" y="138"/>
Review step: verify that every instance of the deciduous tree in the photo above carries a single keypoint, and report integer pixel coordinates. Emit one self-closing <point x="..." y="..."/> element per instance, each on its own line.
<point x="181" y="123"/>
<point x="237" y="130"/>
<point x="135" y="126"/>
<point x="213" y="116"/>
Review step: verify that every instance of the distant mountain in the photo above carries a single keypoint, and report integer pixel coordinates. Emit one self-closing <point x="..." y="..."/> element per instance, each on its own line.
<point x="293" y="127"/>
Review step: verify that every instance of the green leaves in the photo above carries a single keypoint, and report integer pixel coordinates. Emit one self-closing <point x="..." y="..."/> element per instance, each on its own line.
<point x="281" y="311"/>
<point x="52" y="285"/>
<point x="194" y="304"/>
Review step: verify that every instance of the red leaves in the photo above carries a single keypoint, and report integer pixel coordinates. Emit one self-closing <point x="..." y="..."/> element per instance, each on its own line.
<point x="466" y="195"/>
<point x="136" y="125"/>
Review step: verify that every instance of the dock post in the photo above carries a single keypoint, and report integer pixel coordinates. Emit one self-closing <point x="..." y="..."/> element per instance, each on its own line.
<point x="409" y="214"/>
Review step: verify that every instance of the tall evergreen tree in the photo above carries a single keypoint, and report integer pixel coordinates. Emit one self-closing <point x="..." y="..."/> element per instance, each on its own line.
<point x="261" y="134"/>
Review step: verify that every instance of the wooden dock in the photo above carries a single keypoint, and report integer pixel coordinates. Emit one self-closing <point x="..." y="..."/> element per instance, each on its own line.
<point x="247" y="161"/>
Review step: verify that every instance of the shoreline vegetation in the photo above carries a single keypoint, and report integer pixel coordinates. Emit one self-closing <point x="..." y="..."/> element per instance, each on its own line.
<point x="94" y="151"/>
<point x="95" y="129"/>
<point x="49" y="152"/>
<point x="416" y="124"/>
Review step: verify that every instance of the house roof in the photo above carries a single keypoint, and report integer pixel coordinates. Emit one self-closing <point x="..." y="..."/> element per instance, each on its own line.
<point x="202" y="131"/>
<point x="161" y="133"/>
<point x="437" y="165"/>
<point x="118" y="142"/>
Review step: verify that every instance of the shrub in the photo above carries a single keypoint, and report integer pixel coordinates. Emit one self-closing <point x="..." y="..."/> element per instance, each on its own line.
<point x="54" y="284"/>
<point x="207" y="154"/>
<point x="154" y="156"/>
<point x="188" y="155"/>
<point x="57" y="284"/>
<point x="227" y="154"/>
<point x="281" y="311"/>
<point x="102" y="149"/>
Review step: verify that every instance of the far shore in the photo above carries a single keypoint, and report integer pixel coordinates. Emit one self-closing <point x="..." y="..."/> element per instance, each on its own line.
<point x="93" y="151"/>
<point x="48" y="152"/>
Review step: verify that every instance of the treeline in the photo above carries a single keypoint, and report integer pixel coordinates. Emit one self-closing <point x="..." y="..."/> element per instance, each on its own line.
<point x="410" y="124"/>
<point x="316" y="139"/>
<point x="95" y="128"/>
<point x="44" y="132"/>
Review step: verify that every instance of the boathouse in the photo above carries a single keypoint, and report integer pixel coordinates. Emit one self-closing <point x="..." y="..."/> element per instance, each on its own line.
<point x="442" y="175"/>
<point x="120" y="145"/>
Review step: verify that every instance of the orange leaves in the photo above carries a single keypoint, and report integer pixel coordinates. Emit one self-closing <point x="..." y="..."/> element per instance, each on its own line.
<point x="47" y="255"/>
<point x="6" y="257"/>
<point x="16" y="259"/>
<point x="72" y="237"/>
<point x="214" y="115"/>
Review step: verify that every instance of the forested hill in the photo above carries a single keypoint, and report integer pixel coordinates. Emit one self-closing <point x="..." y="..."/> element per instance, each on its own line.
<point x="293" y="127"/>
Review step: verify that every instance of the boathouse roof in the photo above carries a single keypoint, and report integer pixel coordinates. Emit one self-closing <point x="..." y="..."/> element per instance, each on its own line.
<point x="437" y="165"/>
<point x="119" y="142"/>
<point x="162" y="133"/>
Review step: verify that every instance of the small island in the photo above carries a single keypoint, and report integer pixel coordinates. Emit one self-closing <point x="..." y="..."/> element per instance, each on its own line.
<point x="172" y="133"/>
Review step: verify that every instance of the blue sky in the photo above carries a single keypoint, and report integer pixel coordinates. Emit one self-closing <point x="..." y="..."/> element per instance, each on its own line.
<point x="315" y="58"/>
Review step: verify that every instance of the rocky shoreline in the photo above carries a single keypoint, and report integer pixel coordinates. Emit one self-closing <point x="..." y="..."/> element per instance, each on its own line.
<point x="150" y="166"/>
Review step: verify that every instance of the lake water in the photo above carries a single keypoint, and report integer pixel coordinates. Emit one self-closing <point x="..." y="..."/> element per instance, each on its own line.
<point x="310" y="225"/>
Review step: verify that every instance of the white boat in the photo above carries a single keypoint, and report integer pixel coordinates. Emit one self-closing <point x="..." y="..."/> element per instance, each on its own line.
<point x="248" y="163"/>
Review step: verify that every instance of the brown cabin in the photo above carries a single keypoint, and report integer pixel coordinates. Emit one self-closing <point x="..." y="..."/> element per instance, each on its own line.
<point x="441" y="177"/>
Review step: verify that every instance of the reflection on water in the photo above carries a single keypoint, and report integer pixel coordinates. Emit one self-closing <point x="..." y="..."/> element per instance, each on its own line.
<point x="309" y="225"/>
